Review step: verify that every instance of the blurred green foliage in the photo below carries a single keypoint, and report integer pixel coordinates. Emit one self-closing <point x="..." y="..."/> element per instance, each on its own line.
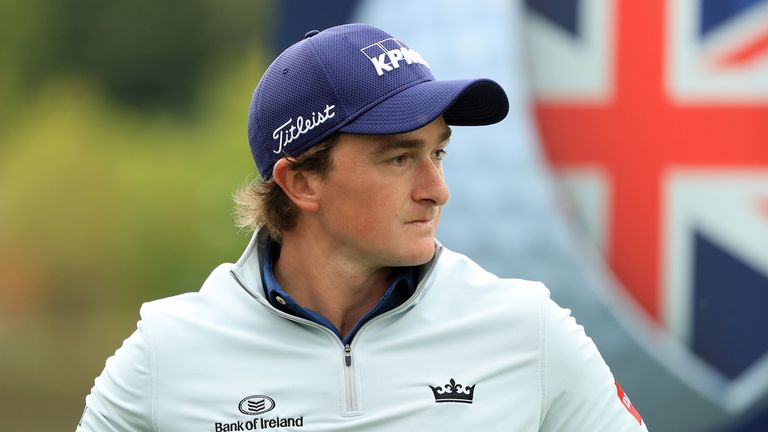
<point x="143" y="52"/>
<point x="122" y="138"/>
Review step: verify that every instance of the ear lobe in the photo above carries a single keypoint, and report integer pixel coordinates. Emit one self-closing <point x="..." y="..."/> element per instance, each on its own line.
<point x="297" y="185"/>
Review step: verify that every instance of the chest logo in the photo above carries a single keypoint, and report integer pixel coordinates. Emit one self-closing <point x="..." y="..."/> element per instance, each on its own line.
<point x="453" y="392"/>
<point x="256" y="405"/>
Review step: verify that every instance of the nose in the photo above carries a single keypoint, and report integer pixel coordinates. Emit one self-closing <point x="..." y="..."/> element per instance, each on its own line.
<point x="430" y="183"/>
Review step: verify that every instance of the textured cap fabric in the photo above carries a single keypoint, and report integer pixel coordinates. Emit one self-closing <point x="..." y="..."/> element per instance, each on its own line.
<point x="356" y="78"/>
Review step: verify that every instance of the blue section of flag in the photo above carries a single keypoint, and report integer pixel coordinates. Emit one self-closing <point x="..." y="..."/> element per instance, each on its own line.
<point x="730" y="305"/>
<point x="563" y="13"/>
<point x="755" y="423"/>
<point x="716" y="12"/>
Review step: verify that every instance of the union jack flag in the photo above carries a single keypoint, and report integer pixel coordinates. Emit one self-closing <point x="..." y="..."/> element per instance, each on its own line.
<point x="655" y="114"/>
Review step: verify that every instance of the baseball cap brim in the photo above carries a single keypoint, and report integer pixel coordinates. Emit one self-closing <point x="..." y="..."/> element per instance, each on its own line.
<point x="475" y="102"/>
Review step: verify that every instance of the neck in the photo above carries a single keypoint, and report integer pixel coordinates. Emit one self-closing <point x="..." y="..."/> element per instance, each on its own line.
<point x="325" y="282"/>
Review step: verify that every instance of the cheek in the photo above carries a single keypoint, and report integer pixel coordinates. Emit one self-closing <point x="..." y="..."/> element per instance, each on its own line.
<point x="370" y="214"/>
<point x="374" y="215"/>
<point x="364" y="204"/>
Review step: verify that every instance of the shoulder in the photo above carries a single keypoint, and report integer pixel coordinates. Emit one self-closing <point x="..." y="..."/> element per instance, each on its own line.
<point x="467" y="289"/>
<point x="219" y="302"/>
<point x="458" y="272"/>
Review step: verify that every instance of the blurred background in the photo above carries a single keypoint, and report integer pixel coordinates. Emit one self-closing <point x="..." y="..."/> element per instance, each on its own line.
<point x="631" y="177"/>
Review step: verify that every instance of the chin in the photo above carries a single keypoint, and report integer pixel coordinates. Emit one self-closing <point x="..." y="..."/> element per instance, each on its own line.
<point x="421" y="256"/>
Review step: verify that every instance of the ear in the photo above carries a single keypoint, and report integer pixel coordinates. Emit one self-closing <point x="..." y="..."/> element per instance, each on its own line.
<point x="297" y="185"/>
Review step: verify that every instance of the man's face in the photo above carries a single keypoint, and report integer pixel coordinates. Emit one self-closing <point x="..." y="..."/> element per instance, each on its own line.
<point x="380" y="202"/>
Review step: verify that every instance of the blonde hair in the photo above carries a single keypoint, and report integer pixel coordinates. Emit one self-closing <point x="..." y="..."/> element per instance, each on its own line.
<point x="263" y="203"/>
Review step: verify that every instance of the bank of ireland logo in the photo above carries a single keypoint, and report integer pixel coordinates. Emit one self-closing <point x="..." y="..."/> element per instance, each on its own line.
<point x="256" y="405"/>
<point x="388" y="54"/>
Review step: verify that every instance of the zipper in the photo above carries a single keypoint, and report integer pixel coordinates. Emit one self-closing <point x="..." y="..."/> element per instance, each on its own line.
<point x="352" y="404"/>
<point x="350" y="387"/>
<point x="348" y="355"/>
<point x="352" y="407"/>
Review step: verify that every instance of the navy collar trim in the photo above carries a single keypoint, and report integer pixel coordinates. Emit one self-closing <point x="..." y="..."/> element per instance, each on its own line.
<point x="399" y="290"/>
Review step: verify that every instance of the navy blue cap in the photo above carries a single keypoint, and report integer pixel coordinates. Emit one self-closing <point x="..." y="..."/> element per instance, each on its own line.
<point x="356" y="78"/>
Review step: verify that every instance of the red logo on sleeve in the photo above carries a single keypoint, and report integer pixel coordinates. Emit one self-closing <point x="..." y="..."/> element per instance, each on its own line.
<point x="627" y="403"/>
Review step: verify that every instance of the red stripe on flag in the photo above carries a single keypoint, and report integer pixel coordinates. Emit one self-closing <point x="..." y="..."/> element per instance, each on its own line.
<point x="747" y="53"/>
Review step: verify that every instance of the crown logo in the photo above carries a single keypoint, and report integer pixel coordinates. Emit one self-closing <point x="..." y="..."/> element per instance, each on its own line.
<point x="453" y="392"/>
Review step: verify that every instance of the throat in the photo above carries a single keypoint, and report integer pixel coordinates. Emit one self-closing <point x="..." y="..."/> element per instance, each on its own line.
<point x="341" y="298"/>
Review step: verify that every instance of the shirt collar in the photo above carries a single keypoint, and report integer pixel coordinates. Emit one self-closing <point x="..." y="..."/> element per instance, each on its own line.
<point x="402" y="286"/>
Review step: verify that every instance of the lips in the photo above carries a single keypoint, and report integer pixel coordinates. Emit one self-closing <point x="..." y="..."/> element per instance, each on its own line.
<point x="424" y="219"/>
<point x="426" y="222"/>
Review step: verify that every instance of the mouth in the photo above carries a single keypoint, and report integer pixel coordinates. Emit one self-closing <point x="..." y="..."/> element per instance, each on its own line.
<point x="424" y="220"/>
<point x="421" y="222"/>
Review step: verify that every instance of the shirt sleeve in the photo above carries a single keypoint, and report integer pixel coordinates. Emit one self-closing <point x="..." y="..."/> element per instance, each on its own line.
<point x="121" y="398"/>
<point x="580" y="393"/>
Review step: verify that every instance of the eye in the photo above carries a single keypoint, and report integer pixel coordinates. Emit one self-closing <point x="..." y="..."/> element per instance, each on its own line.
<point x="439" y="154"/>
<point x="399" y="160"/>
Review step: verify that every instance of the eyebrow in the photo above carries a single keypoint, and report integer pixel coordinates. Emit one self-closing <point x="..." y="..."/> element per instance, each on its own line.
<point x="395" y="142"/>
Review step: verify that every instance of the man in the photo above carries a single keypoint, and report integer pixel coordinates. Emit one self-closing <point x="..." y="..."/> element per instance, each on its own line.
<point x="344" y="312"/>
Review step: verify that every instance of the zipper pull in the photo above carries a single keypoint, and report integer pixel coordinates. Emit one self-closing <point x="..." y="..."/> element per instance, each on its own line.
<point x="348" y="355"/>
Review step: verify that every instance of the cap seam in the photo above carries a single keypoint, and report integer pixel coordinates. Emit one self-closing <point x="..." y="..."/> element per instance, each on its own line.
<point x="258" y="109"/>
<point x="325" y="73"/>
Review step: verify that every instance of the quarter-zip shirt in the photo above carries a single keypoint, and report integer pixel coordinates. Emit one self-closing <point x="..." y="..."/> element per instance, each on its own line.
<point x="467" y="351"/>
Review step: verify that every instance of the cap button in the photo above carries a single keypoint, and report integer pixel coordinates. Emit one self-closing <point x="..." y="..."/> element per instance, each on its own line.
<point x="311" y="33"/>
